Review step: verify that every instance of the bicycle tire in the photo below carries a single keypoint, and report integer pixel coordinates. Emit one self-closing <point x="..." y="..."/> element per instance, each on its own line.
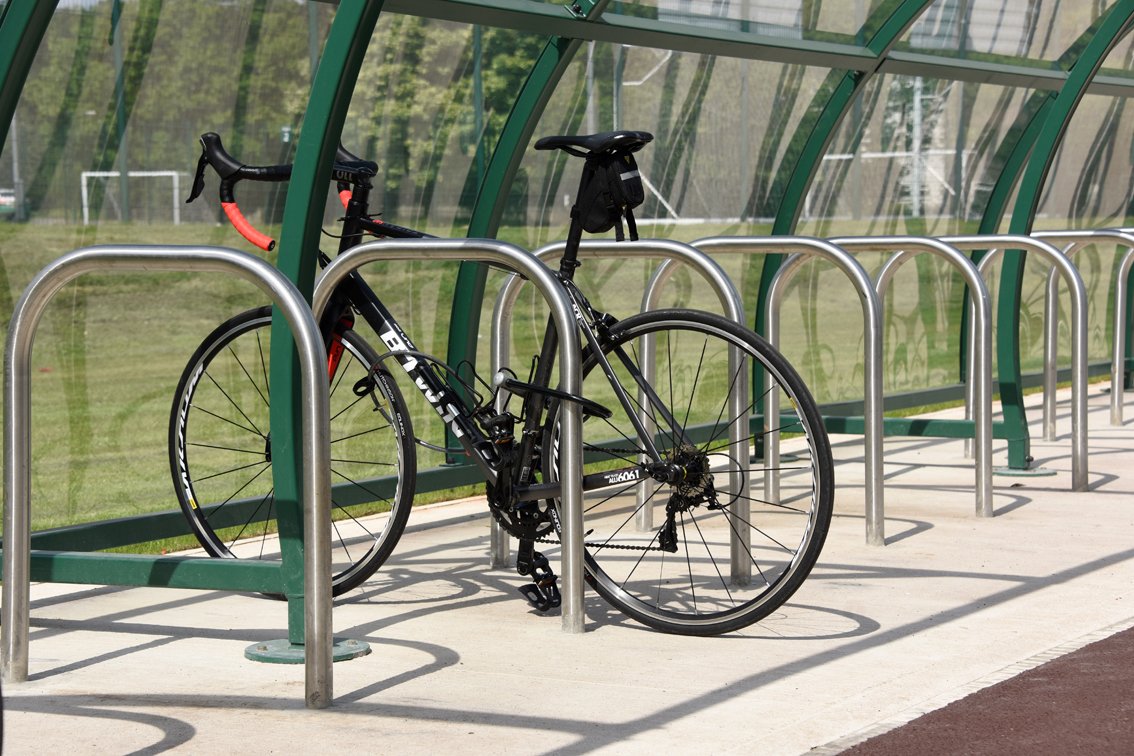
<point x="683" y="581"/>
<point x="220" y="456"/>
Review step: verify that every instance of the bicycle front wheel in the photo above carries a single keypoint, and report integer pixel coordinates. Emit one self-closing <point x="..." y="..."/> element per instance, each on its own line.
<point x="220" y="451"/>
<point x="689" y="542"/>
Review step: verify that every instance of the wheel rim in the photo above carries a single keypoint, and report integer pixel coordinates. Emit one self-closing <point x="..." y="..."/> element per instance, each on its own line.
<point x="665" y="555"/>
<point x="223" y="467"/>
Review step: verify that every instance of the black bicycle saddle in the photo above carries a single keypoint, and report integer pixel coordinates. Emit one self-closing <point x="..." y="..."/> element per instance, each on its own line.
<point x="605" y="143"/>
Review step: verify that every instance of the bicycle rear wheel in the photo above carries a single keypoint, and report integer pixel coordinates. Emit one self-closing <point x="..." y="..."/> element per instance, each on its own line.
<point x="220" y="453"/>
<point x="692" y="545"/>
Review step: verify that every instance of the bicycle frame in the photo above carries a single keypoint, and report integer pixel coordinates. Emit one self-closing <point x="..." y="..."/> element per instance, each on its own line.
<point x="453" y="410"/>
<point x="669" y="449"/>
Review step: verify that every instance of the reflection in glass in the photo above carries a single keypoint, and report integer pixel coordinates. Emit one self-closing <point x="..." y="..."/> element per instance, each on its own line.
<point x="1031" y="29"/>
<point x="785" y="19"/>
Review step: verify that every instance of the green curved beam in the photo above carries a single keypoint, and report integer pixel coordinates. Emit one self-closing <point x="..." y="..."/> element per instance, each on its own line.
<point x="40" y="184"/>
<point x="21" y="30"/>
<point x="1018" y="144"/>
<point x="468" y="295"/>
<point x="1115" y="25"/>
<point x="331" y="90"/>
<point x="1016" y="147"/>
<point x="1112" y="26"/>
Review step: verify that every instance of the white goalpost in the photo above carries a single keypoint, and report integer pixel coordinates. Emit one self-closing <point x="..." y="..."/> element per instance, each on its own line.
<point x="175" y="194"/>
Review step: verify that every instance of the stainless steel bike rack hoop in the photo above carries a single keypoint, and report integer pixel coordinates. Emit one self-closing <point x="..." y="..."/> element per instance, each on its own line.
<point x="906" y="247"/>
<point x="317" y="455"/>
<point x="1074" y="241"/>
<point x="571" y="456"/>
<point x="872" y="353"/>
<point x="1118" y="352"/>
<point x="996" y="243"/>
<point x="674" y="254"/>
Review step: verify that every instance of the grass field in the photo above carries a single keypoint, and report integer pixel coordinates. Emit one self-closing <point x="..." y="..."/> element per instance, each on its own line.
<point x="111" y="348"/>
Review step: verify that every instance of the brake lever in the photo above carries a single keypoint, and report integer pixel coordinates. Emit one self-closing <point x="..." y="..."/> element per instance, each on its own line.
<point x="199" y="179"/>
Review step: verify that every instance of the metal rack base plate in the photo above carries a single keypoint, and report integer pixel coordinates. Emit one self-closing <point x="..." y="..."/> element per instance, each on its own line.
<point x="283" y="651"/>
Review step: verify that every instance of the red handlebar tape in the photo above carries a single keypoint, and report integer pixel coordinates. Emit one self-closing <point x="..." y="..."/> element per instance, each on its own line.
<point x="241" y="224"/>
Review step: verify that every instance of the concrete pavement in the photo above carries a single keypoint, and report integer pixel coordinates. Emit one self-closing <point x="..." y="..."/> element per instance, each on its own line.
<point x="875" y="637"/>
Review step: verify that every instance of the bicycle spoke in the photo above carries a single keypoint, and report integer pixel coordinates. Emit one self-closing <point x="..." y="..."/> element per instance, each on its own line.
<point x="693" y="389"/>
<point x="263" y="366"/>
<point x="210" y="413"/>
<point x="241" y="488"/>
<point x="348" y="407"/>
<point x="756" y="500"/>
<point x="743" y="415"/>
<point x="751" y="556"/>
<point x="678" y="574"/>
<point x="269" y="499"/>
<point x="373" y="463"/>
<point x="233" y="403"/>
<point x="360" y="433"/>
<point x="649" y="408"/>
<point x="616" y="494"/>
<point x="251" y="380"/>
<point x="255" y="452"/>
<point x="709" y="553"/>
<point x="645" y="551"/>
<point x="767" y="536"/>
<point x="232" y="470"/>
<point x="210" y="459"/>
<point x="689" y="565"/>
<point x="377" y="496"/>
<point x="340" y="373"/>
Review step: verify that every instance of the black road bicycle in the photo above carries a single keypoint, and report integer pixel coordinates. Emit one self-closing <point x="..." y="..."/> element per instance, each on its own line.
<point x="677" y="534"/>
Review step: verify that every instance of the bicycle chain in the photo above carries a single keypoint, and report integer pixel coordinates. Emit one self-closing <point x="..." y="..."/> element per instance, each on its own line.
<point x="608" y="449"/>
<point x="624" y="547"/>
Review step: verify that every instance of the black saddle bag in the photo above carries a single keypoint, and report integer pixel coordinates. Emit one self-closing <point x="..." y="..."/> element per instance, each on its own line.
<point x="610" y="189"/>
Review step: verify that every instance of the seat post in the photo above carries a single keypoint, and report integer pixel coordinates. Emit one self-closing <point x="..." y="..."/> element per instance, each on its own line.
<point x="570" y="259"/>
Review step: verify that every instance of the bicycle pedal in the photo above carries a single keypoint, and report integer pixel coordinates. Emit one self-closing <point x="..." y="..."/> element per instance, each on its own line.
<point x="539" y="600"/>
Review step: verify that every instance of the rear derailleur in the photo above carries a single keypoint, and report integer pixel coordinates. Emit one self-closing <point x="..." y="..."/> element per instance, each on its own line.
<point x="543" y="594"/>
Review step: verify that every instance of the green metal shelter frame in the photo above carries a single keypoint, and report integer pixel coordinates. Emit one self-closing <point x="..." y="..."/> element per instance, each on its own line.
<point x="1113" y="25"/>
<point x="852" y="65"/>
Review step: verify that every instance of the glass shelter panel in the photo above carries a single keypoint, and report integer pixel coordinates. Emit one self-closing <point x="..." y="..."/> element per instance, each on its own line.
<point x="786" y="19"/>
<point x="1031" y="29"/>
<point x="715" y="152"/>
<point x="103" y="147"/>
<point x="915" y="156"/>
<point x="722" y="129"/>
<point x="92" y="157"/>
<point x="430" y="104"/>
